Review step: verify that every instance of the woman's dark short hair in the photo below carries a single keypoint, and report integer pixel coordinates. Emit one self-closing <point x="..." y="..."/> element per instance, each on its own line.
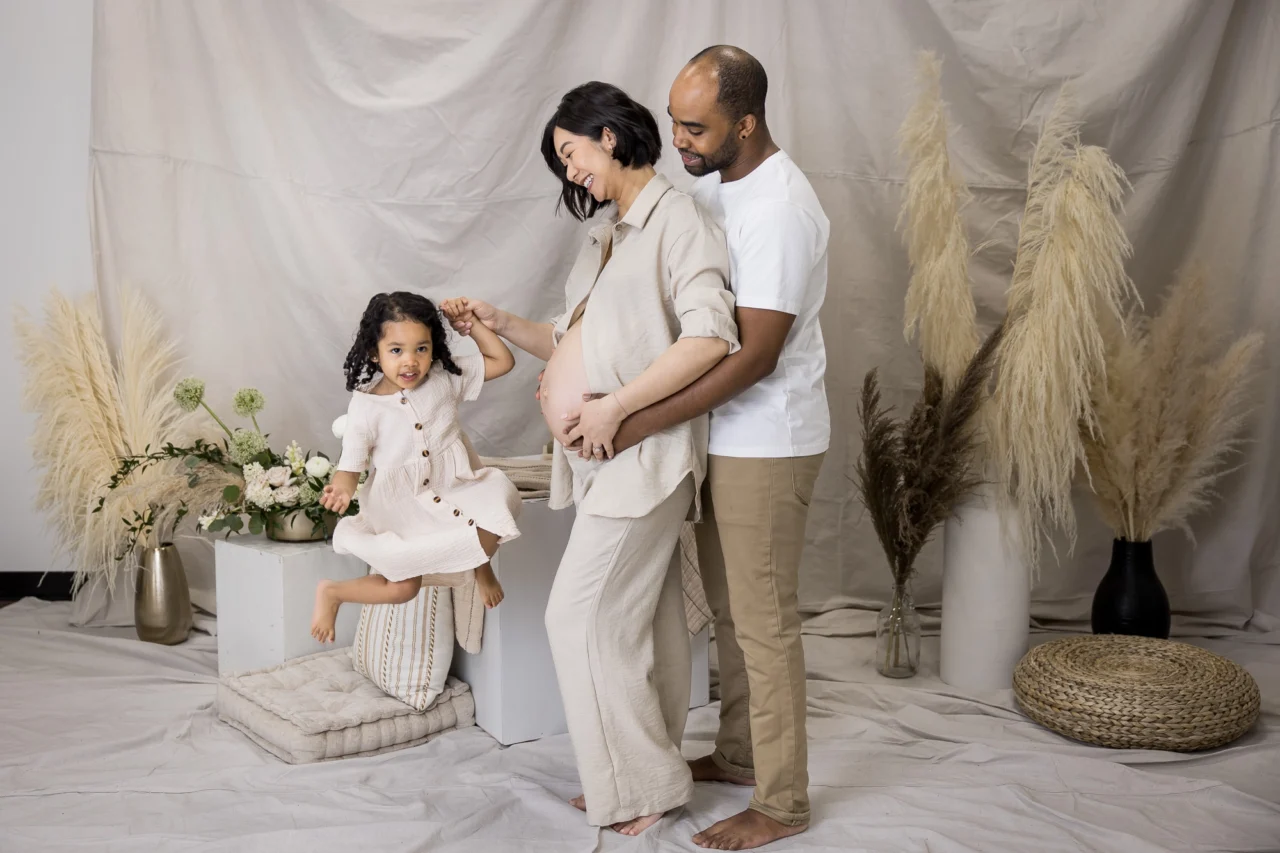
<point x="587" y="111"/>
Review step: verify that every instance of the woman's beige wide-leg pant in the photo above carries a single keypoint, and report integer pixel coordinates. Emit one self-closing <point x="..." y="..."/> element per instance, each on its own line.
<point x="620" y="643"/>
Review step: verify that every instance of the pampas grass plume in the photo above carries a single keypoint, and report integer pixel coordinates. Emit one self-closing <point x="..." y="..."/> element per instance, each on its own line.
<point x="939" y="303"/>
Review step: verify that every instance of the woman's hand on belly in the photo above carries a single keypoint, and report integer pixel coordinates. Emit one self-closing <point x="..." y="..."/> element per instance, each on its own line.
<point x="596" y="426"/>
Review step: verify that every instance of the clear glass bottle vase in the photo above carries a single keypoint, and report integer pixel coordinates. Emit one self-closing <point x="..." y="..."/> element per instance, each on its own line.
<point x="898" y="635"/>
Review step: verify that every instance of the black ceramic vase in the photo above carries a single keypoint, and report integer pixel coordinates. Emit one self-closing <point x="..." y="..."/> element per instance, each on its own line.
<point x="1130" y="598"/>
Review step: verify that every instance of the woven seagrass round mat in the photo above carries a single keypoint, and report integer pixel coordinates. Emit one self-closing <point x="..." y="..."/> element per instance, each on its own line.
<point x="1136" y="693"/>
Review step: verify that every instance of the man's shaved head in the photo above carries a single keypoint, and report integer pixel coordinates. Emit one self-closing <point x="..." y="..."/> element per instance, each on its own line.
<point x="742" y="83"/>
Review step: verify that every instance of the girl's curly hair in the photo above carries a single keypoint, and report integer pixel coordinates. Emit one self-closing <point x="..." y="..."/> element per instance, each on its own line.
<point x="390" y="308"/>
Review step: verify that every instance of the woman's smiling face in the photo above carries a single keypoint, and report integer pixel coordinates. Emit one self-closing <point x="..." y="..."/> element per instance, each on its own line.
<point x="587" y="163"/>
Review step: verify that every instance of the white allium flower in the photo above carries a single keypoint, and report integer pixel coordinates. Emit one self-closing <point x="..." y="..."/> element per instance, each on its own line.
<point x="260" y="495"/>
<point x="287" y="496"/>
<point x="254" y="474"/>
<point x="318" y="467"/>
<point x="248" y="402"/>
<point x="340" y="427"/>
<point x="279" y="476"/>
<point x="246" y="444"/>
<point x="189" y="393"/>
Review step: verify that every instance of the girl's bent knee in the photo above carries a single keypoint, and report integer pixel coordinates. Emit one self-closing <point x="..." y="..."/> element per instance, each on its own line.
<point x="404" y="591"/>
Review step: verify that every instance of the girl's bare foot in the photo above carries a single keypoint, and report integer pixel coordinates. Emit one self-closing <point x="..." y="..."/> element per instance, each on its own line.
<point x="325" y="614"/>
<point x="579" y="802"/>
<point x="490" y="590"/>
<point x="636" y="826"/>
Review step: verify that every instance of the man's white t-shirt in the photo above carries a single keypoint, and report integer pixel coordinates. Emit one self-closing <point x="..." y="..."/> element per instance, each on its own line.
<point x="777" y="235"/>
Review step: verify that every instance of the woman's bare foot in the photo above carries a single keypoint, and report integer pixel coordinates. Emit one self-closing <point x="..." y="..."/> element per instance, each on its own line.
<point x="490" y="590"/>
<point x="745" y="831"/>
<point x="637" y="826"/>
<point x="325" y="614"/>
<point x="706" y="770"/>
<point x="626" y="827"/>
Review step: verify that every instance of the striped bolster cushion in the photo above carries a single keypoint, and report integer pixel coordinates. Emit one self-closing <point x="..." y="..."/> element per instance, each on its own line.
<point x="406" y="649"/>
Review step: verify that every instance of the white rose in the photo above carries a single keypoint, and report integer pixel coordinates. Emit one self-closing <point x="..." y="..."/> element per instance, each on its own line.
<point x="260" y="495"/>
<point x="287" y="496"/>
<point x="318" y="467"/>
<point x="340" y="427"/>
<point x="279" y="476"/>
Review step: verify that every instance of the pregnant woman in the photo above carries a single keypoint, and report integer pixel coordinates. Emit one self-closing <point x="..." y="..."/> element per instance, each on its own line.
<point x="647" y="311"/>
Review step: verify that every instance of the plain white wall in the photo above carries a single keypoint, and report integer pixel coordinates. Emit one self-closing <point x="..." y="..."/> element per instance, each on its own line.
<point x="46" y="53"/>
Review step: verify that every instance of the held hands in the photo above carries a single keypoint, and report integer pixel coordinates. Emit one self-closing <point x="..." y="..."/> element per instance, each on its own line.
<point x="463" y="312"/>
<point x="336" y="498"/>
<point x="596" y="426"/>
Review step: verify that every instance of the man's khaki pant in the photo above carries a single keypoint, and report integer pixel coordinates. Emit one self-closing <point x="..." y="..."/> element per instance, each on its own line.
<point x="749" y="546"/>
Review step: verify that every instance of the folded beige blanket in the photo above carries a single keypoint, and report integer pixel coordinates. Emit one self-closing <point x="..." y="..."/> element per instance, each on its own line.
<point x="532" y="478"/>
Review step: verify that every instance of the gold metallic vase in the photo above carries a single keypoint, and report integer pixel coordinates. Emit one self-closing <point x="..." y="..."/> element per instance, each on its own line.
<point x="162" y="600"/>
<point x="296" y="527"/>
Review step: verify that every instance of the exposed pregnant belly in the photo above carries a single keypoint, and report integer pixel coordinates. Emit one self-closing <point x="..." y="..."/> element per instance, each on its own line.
<point x="564" y="382"/>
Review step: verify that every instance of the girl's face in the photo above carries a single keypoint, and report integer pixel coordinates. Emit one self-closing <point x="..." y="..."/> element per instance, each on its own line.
<point x="404" y="353"/>
<point x="588" y="163"/>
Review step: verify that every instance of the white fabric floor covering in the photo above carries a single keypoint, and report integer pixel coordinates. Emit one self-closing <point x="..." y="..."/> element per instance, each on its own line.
<point x="108" y="744"/>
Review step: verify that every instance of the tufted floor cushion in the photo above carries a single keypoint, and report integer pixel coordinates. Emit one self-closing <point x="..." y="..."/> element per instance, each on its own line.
<point x="318" y="708"/>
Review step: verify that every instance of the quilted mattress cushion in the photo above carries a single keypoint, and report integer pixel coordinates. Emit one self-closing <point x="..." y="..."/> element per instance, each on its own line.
<point x="318" y="708"/>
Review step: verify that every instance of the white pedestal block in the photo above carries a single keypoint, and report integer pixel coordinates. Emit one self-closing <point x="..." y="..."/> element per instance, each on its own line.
<point x="513" y="678"/>
<point x="266" y="592"/>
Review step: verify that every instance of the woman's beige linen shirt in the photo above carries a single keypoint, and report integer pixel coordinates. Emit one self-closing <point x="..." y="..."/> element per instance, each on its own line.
<point x="666" y="279"/>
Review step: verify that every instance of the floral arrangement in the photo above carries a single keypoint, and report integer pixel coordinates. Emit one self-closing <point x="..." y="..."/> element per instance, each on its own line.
<point x="268" y="487"/>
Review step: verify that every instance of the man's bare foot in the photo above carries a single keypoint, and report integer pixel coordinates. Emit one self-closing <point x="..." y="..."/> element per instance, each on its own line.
<point x="490" y="590"/>
<point x="706" y="770"/>
<point x="745" y="831"/>
<point x="325" y="614"/>
<point x="579" y="802"/>
<point x="636" y="826"/>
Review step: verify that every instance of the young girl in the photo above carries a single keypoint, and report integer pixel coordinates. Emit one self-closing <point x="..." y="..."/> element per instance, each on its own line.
<point x="429" y="508"/>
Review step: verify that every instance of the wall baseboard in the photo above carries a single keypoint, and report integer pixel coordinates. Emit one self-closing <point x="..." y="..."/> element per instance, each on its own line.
<point x="51" y="586"/>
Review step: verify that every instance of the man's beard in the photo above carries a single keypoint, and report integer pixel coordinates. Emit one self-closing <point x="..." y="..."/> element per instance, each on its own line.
<point x="721" y="158"/>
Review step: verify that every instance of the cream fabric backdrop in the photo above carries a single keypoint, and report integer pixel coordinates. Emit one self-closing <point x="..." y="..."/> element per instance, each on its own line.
<point x="260" y="169"/>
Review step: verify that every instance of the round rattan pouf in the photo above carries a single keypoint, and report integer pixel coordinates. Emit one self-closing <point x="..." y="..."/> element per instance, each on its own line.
<point x="1136" y="693"/>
